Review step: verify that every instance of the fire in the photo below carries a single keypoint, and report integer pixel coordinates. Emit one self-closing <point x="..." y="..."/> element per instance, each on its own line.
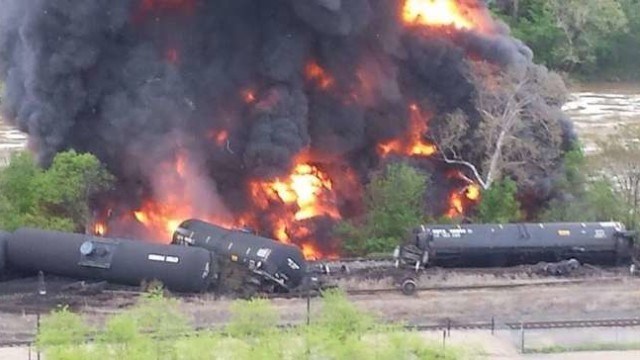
<point x="314" y="72"/>
<point x="304" y="189"/>
<point x="178" y="194"/>
<point x="306" y="193"/>
<point x="309" y="252"/>
<point x="473" y="192"/>
<point x="222" y="137"/>
<point x="436" y="13"/>
<point x="181" y="165"/>
<point x="249" y="96"/>
<point x="413" y="143"/>
<point x="160" y="219"/>
<point x="99" y="229"/>
<point x="456" y="207"/>
<point x="461" y="199"/>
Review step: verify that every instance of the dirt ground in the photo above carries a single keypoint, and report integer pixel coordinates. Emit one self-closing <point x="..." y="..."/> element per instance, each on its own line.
<point x="597" y="299"/>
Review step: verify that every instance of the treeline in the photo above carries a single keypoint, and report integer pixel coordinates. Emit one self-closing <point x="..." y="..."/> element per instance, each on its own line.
<point x="590" y="38"/>
<point x="599" y="188"/>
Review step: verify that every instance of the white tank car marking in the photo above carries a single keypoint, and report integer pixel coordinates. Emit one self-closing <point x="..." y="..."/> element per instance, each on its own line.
<point x="292" y="264"/>
<point x="163" y="258"/>
<point x="263" y="253"/>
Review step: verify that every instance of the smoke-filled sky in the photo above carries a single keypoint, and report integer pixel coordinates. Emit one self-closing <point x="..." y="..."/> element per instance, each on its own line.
<point x="198" y="99"/>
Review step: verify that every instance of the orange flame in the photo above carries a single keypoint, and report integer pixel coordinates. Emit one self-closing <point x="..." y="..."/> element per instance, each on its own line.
<point x="303" y="188"/>
<point x="176" y="201"/>
<point x="413" y="143"/>
<point x="436" y="13"/>
<point x="99" y="229"/>
<point x="314" y="72"/>
<point x="306" y="193"/>
<point x="456" y="207"/>
<point x="161" y="220"/>
<point x="461" y="199"/>
<point x="473" y="192"/>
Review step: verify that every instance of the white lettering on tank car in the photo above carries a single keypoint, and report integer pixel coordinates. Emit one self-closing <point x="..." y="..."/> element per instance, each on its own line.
<point x="292" y="264"/>
<point x="600" y="234"/>
<point x="453" y="233"/>
<point x="608" y="224"/>
<point x="162" y="258"/>
<point x="263" y="253"/>
<point x="155" y="257"/>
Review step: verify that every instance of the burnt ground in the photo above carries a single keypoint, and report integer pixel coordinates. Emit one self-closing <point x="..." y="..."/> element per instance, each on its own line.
<point x="604" y="294"/>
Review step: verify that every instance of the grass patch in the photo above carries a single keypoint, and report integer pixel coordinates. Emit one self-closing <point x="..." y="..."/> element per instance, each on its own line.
<point x="156" y="329"/>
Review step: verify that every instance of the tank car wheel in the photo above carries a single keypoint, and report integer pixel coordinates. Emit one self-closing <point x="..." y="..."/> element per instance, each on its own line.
<point x="409" y="286"/>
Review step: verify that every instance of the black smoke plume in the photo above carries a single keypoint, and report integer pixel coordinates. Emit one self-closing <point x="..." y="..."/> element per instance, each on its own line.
<point x="136" y="82"/>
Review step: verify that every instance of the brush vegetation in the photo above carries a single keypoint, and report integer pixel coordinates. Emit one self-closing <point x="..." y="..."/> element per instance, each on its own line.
<point x="55" y="198"/>
<point x="156" y="329"/>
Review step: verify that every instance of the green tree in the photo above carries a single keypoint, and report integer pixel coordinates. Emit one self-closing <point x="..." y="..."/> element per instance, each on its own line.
<point x="393" y="201"/>
<point x="620" y="58"/>
<point x="570" y="35"/>
<point x="586" y="195"/>
<point x="587" y="25"/>
<point x="68" y="185"/>
<point x="499" y="203"/>
<point x="56" y="198"/>
<point x="533" y="22"/>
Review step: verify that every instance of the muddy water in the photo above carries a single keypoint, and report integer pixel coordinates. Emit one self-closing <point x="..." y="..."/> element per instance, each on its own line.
<point x="597" y="110"/>
<point x="600" y="110"/>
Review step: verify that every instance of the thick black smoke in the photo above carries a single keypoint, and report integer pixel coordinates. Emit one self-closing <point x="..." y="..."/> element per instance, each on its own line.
<point x="135" y="82"/>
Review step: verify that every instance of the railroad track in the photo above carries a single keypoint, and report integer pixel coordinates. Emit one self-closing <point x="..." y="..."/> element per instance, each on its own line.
<point x="542" y="283"/>
<point x="572" y="324"/>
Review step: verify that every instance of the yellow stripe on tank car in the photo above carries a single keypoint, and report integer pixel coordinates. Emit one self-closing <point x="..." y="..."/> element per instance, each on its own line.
<point x="564" y="232"/>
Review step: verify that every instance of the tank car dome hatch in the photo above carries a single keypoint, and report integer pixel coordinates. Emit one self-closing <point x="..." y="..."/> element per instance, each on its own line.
<point x="87" y="248"/>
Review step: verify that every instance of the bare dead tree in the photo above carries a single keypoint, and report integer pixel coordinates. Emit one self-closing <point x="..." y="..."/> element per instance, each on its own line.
<point x="514" y="124"/>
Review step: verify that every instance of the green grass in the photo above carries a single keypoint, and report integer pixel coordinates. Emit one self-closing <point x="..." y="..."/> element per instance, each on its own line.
<point x="156" y="329"/>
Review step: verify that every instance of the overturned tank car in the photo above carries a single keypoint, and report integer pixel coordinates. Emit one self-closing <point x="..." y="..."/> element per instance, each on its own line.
<point x="515" y="244"/>
<point x="250" y="263"/>
<point x="117" y="261"/>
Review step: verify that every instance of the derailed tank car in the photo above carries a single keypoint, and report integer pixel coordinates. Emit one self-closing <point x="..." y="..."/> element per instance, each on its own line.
<point x="264" y="264"/>
<point x="514" y="244"/>
<point x="117" y="261"/>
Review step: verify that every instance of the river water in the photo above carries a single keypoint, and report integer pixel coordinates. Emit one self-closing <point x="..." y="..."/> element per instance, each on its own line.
<point x="601" y="110"/>
<point x="598" y="110"/>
